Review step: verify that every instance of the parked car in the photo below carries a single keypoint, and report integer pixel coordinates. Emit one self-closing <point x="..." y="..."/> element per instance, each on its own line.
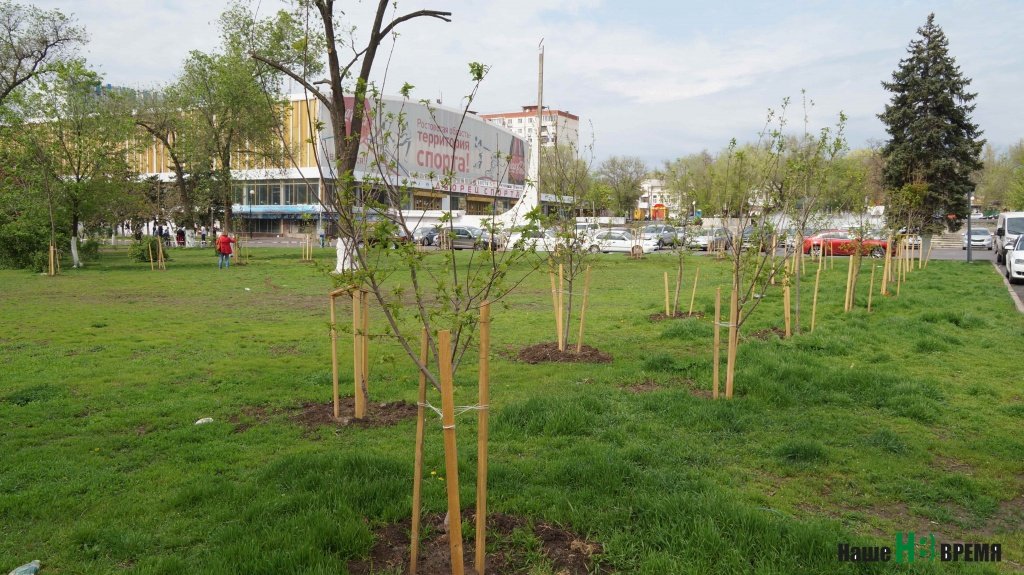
<point x="685" y="235"/>
<point x="1015" y="261"/>
<point x="1009" y="225"/>
<point x="759" y="238"/>
<point x="662" y="234"/>
<point x="620" y="241"/>
<point x="386" y="234"/>
<point x="466" y="238"/>
<point x="426" y="235"/>
<point x="789" y="238"/>
<point x="713" y="239"/>
<point x="980" y="238"/>
<point x="539" y="240"/>
<point x="586" y="231"/>
<point x="843" y="243"/>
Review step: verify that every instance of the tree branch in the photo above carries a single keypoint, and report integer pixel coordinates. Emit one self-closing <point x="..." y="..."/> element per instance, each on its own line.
<point x="446" y="16"/>
<point x="288" y="72"/>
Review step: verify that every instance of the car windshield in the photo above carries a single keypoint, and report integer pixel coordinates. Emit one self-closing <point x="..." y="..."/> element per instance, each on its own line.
<point x="1015" y="226"/>
<point x="979" y="232"/>
<point x="652" y="229"/>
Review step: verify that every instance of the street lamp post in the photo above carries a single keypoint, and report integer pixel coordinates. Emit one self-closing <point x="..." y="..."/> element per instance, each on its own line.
<point x="970" y="201"/>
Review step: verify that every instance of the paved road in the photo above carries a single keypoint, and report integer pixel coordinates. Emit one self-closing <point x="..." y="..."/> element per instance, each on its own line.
<point x="979" y="257"/>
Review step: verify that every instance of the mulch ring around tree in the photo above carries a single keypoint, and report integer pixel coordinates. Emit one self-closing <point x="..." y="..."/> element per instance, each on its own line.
<point x="548" y="352"/>
<point x="513" y="544"/>
<point x="313" y="415"/>
<point x="662" y="317"/>
<point x="764" y="334"/>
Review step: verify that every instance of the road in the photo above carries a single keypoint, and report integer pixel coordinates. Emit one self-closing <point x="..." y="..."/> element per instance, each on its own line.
<point x="979" y="257"/>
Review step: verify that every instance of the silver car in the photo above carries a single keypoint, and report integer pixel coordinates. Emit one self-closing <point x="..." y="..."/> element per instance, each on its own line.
<point x="664" y="235"/>
<point x="713" y="240"/>
<point x="980" y="239"/>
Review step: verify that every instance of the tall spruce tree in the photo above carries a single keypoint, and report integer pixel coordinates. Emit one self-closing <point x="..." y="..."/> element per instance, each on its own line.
<point x="932" y="138"/>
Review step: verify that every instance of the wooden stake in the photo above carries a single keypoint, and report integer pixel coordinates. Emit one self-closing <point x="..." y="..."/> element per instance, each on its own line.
<point x="149" y="247"/>
<point x="481" y="441"/>
<point x="849" y="284"/>
<point x="417" y="478"/>
<point x="357" y="353"/>
<point x="583" y="309"/>
<point x="814" y="303"/>
<point x="871" y="290"/>
<point x="730" y="366"/>
<point x="451" y="452"/>
<point x="693" y="294"/>
<point x="365" y="387"/>
<point x="679" y="284"/>
<point x="561" y="309"/>
<point x="887" y="266"/>
<point x="554" y="307"/>
<point x="785" y="310"/>
<point x="928" y="256"/>
<point x="718" y="340"/>
<point x="667" y="301"/>
<point x="334" y="364"/>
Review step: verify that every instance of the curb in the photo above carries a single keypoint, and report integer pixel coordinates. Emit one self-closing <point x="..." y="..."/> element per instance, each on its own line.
<point x="1013" y="294"/>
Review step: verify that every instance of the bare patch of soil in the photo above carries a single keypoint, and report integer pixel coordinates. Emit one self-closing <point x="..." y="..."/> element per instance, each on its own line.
<point x="1009" y="517"/>
<point x="568" y="553"/>
<point x="313" y="415"/>
<point x="952" y="465"/>
<point x="764" y="334"/>
<point x="548" y="352"/>
<point x="705" y="393"/>
<point x="662" y="317"/>
<point x="284" y="349"/>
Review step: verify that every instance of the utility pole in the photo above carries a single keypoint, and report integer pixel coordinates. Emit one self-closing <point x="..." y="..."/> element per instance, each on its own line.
<point x="540" y="112"/>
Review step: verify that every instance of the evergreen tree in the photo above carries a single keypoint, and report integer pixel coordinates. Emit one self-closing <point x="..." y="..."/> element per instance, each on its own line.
<point x="932" y="138"/>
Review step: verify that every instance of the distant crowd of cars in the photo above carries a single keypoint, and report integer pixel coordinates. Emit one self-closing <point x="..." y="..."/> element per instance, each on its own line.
<point x="659" y="236"/>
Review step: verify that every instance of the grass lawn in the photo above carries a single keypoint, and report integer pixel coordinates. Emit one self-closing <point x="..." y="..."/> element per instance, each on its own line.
<point x="906" y="419"/>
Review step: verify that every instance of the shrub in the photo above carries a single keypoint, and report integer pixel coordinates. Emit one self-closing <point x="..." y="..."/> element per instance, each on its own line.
<point x="140" y="251"/>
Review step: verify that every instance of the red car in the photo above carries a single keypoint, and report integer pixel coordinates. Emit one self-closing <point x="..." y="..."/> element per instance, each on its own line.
<point x="843" y="243"/>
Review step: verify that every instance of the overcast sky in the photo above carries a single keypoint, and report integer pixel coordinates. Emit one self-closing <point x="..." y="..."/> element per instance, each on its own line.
<point x="656" y="80"/>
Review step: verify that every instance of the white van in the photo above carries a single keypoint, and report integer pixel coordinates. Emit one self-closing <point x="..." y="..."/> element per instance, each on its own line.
<point x="1009" y="225"/>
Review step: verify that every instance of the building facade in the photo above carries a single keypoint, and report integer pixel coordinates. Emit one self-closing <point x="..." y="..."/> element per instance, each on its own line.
<point x="405" y="145"/>
<point x="558" y="127"/>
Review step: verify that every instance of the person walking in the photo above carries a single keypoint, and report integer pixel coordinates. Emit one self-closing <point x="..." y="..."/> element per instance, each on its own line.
<point x="224" y="250"/>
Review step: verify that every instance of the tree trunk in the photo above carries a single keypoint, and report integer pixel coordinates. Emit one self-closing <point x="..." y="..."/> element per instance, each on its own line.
<point x="75" y="262"/>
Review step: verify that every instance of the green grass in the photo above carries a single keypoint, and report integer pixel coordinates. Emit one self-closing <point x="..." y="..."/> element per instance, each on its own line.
<point x="905" y="419"/>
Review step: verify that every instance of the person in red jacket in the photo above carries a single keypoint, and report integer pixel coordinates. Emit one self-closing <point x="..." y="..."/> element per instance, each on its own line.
<point x="224" y="250"/>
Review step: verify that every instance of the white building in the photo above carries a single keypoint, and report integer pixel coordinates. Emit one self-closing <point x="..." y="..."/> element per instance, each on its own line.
<point x="656" y="202"/>
<point x="557" y="127"/>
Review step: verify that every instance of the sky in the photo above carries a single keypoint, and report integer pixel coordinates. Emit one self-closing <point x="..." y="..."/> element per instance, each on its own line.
<point x="653" y="79"/>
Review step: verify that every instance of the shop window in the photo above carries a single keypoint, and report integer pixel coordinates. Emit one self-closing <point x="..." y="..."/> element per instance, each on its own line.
<point x="478" y="208"/>
<point x="427" y="203"/>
